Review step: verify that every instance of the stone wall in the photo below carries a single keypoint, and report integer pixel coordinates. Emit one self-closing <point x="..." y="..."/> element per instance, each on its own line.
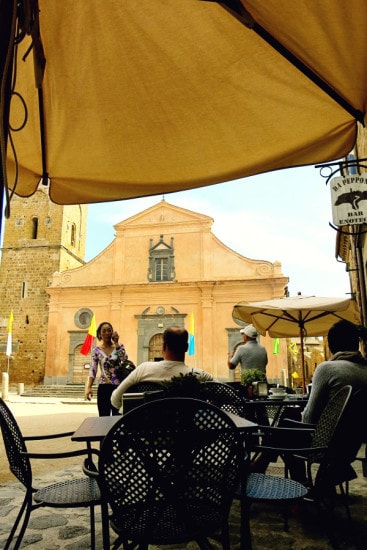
<point x="40" y="238"/>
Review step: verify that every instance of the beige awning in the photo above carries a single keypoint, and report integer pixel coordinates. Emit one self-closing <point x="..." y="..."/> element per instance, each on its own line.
<point x="144" y="98"/>
<point x="296" y="315"/>
<point x="303" y="315"/>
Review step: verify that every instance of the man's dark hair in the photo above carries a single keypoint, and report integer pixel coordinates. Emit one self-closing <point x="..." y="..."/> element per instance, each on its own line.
<point x="343" y="336"/>
<point x="176" y="339"/>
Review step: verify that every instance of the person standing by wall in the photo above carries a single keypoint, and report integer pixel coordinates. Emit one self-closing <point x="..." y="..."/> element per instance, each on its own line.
<point x="250" y="354"/>
<point x="105" y="356"/>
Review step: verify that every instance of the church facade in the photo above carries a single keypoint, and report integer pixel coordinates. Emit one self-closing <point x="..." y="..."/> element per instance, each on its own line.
<point x="163" y="265"/>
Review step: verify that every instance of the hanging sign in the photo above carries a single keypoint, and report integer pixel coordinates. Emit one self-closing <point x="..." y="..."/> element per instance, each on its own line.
<point x="349" y="199"/>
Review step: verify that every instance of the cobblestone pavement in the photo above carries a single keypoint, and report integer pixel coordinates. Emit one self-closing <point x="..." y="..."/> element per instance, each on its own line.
<point x="51" y="529"/>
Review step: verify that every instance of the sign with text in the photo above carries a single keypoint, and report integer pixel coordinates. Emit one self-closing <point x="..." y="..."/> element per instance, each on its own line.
<point x="349" y="199"/>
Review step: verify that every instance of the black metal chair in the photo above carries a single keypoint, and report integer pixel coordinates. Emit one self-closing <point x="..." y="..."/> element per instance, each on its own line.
<point x="266" y="488"/>
<point x="80" y="492"/>
<point x="312" y="445"/>
<point x="322" y="452"/>
<point x="259" y="487"/>
<point x="306" y="442"/>
<point x="139" y="393"/>
<point x="142" y="387"/>
<point x="168" y="472"/>
<point x="224" y="396"/>
<point x="336" y="468"/>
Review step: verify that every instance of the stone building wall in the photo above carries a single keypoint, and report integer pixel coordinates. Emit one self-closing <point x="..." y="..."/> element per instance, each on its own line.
<point x="40" y="238"/>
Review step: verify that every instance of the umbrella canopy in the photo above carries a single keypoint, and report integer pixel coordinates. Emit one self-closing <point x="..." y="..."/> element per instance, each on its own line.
<point x="125" y="99"/>
<point x="287" y="317"/>
<point x="296" y="316"/>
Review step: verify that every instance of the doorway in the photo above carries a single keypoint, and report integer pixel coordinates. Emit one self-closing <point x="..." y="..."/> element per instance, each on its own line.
<point x="80" y="371"/>
<point x="155" y="348"/>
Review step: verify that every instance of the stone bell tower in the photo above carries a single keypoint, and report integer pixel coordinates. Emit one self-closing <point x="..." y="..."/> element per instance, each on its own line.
<point x="40" y="237"/>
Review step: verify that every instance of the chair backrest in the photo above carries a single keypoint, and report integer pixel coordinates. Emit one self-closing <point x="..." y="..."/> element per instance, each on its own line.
<point x="141" y="387"/>
<point x="169" y="470"/>
<point x="14" y="444"/>
<point x="349" y="433"/>
<point x="139" y="393"/>
<point x="224" y="396"/>
<point x="328" y="421"/>
<point x="346" y="439"/>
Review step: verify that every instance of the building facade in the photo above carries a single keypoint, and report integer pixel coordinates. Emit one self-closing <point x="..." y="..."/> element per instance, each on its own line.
<point x="351" y="240"/>
<point x="40" y="238"/>
<point x="163" y="264"/>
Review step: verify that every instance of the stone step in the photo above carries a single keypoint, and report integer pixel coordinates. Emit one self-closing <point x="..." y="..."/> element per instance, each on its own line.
<point x="68" y="390"/>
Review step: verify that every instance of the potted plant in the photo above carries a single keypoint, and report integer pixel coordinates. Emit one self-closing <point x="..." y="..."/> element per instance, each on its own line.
<point x="183" y="385"/>
<point x="249" y="376"/>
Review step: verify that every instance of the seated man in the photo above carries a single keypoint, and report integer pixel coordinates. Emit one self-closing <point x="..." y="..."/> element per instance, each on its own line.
<point x="175" y="345"/>
<point x="346" y="366"/>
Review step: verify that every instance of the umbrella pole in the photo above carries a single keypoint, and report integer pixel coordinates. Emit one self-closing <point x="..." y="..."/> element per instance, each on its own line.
<point x="303" y="362"/>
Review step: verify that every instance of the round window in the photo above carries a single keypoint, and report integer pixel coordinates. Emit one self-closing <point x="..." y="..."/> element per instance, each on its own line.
<point x="83" y="317"/>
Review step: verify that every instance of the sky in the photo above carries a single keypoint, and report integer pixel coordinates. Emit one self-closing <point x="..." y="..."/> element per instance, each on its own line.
<point x="282" y="215"/>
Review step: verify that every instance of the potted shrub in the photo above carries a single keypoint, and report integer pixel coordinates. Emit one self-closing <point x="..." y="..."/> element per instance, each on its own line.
<point x="249" y="376"/>
<point x="183" y="385"/>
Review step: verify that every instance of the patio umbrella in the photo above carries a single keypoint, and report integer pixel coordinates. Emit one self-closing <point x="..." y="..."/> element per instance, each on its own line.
<point x="116" y="99"/>
<point x="296" y="316"/>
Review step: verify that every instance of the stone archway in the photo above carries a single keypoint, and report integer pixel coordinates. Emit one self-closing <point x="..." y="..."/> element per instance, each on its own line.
<point x="155" y="352"/>
<point x="151" y="326"/>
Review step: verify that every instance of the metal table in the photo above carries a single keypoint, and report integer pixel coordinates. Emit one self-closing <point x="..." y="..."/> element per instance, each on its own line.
<point x="269" y="411"/>
<point x="96" y="428"/>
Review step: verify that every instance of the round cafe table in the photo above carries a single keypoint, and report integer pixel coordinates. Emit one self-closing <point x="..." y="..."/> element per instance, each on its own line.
<point x="268" y="411"/>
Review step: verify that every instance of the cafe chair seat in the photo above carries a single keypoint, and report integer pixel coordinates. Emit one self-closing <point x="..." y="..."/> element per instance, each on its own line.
<point x="168" y="471"/>
<point x="266" y="488"/>
<point x="323" y="453"/>
<point x="72" y="493"/>
<point x="68" y="494"/>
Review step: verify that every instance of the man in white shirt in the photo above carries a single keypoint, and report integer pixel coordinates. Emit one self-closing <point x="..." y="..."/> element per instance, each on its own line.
<point x="175" y="345"/>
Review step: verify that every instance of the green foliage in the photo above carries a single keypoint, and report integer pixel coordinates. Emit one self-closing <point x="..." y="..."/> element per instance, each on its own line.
<point x="249" y="376"/>
<point x="184" y="385"/>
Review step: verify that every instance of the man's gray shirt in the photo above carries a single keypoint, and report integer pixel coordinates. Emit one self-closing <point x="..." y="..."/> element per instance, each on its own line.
<point x="251" y="355"/>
